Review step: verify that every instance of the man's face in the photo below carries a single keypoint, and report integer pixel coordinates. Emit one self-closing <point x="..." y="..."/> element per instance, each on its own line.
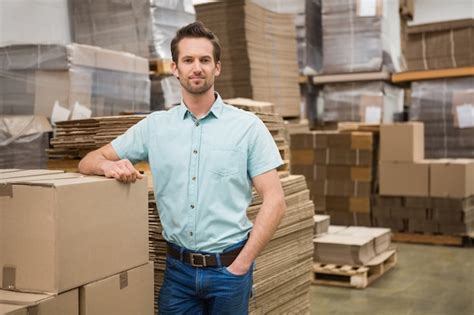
<point x="196" y="68"/>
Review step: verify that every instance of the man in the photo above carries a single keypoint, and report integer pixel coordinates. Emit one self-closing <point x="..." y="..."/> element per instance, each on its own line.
<point x="204" y="156"/>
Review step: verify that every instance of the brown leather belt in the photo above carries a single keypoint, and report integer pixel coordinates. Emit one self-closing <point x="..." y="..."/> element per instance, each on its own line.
<point x="203" y="260"/>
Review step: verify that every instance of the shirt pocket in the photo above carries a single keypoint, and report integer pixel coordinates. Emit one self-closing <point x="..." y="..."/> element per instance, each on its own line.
<point x="225" y="161"/>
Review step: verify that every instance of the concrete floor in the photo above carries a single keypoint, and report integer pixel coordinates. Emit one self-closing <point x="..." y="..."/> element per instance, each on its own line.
<point x="434" y="280"/>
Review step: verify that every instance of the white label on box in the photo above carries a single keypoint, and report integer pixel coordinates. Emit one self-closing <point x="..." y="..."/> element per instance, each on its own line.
<point x="367" y="7"/>
<point x="80" y="112"/>
<point x="59" y="113"/>
<point x="373" y="115"/>
<point x="465" y="114"/>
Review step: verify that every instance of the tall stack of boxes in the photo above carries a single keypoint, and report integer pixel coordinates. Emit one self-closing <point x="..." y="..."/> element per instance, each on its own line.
<point x="420" y="195"/>
<point x="359" y="38"/>
<point x="259" y="52"/>
<point x="338" y="167"/>
<point x="433" y="41"/>
<point x="80" y="241"/>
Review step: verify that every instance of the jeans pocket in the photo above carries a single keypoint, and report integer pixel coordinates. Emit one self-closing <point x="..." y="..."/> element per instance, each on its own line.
<point x="227" y="272"/>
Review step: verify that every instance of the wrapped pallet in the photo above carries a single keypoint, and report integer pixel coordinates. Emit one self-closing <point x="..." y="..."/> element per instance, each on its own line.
<point x="34" y="22"/>
<point x="144" y="28"/>
<point x="370" y="102"/>
<point x="23" y="141"/>
<point x="84" y="80"/>
<point x="360" y="36"/>
<point x="445" y="107"/>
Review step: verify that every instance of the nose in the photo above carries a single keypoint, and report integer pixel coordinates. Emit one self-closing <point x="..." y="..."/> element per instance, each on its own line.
<point x="197" y="67"/>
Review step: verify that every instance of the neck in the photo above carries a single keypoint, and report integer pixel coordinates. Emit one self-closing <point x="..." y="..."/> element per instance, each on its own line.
<point x="199" y="104"/>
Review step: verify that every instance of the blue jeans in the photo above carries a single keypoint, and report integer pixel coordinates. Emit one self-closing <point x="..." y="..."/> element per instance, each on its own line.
<point x="208" y="290"/>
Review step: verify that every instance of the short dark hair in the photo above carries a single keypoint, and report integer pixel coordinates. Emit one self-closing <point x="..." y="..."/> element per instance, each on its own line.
<point x="195" y="30"/>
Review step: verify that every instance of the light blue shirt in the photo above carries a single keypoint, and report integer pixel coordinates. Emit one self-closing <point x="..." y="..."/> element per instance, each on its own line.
<point x="202" y="170"/>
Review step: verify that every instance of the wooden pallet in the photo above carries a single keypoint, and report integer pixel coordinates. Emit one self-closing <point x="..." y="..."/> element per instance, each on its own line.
<point x="160" y="67"/>
<point x="432" y="239"/>
<point x="358" y="277"/>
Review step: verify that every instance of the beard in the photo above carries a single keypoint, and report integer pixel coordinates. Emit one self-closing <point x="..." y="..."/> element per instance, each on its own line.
<point x="197" y="89"/>
<point x="205" y="83"/>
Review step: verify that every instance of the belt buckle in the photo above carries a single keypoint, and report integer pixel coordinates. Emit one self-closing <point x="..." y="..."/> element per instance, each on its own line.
<point x="203" y="257"/>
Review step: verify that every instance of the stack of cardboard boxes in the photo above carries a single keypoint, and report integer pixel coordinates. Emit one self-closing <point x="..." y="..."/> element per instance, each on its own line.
<point x="339" y="168"/>
<point x="361" y="45"/>
<point x="258" y="52"/>
<point x="368" y="102"/>
<point x="445" y="107"/>
<point x="75" y="244"/>
<point x="351" y="245"/>
<point x="360" y="36"/>
<point x="419" y="195"/>
<point x="437" y="41"/>
<point x="144" y="28"/>
<point x="282" y="270"/>
<point x="33" y="78"/>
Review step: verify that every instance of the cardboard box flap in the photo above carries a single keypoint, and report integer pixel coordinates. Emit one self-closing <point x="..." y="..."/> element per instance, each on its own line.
<point x="8" y="170"/>
<point x="21" y="298"/>
<point x="443" y="26"/>
<point x="27" y="173"/>
<point x="32" y="179"/>
<point x="61" y="181"/>
<point x="8" y="308"/>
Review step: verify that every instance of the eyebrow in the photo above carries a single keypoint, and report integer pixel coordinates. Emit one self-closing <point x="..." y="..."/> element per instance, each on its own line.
<point x="190" y="56"/>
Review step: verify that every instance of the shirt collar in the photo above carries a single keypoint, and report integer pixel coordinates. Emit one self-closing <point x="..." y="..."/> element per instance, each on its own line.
<point x="216" y="108"/>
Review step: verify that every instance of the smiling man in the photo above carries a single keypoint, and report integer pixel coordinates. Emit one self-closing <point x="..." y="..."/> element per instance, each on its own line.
<point x="205" y="156"/>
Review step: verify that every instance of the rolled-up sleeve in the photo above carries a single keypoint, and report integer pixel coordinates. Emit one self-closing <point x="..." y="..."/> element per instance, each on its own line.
<point x="133" y="144"/>
<point x="263" y="154"/>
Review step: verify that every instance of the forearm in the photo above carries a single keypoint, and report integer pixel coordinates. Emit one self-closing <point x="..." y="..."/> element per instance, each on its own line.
<point x="92" y="164"/>
<point x="265" y="225"/>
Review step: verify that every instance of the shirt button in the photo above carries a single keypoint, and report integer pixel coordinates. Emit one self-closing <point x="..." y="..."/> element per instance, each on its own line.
<point x="195" y="151"/>
<point x="192" y="206"/>
<point x="194" y="178"/>
<point x="197" y="123"/>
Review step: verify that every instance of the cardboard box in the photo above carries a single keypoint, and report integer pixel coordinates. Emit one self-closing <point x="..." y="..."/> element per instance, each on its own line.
<point x="351" y="140"/>
<point x="19" y="303"/>
<point x="76" y="229"/>
<point x="347" y="173"/>
<point x="342" y="188"/>
<point x="404" y="179"/>
<point x="452" y="178"/>
<point x="343" y="157"/>
<point x="347" y="204"/>
<point x="403" y="142"/>
<point x="310" y="140"/>
<point x="130" y="292"/>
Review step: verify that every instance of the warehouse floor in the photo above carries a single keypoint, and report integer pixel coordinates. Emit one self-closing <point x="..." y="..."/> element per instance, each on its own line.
<point x="434" y="280"/>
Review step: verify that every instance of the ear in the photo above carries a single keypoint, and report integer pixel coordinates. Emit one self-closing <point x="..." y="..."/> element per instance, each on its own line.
<point x="174" y="69"/>
<point x="217" y="71"/>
